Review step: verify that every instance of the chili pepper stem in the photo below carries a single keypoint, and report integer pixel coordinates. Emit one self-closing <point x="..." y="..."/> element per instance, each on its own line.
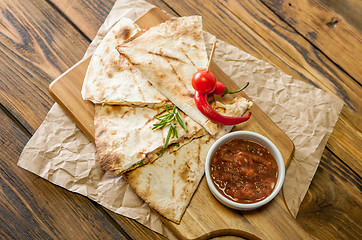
<point x="226" y="91"/>
<point x="211" y="55"/>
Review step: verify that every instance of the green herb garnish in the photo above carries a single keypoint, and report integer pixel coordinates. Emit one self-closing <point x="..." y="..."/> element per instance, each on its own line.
<point x="170" y="118"/>
<point x="141" y="163"/>
<point x="160" y="153"/>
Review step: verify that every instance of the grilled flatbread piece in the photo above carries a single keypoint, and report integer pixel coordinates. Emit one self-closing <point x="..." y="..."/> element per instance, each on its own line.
<point x="124" y="137"/>
<point x="111" y="79"/>
<point x="168" y="55"/>
<point x="168" y="183"/>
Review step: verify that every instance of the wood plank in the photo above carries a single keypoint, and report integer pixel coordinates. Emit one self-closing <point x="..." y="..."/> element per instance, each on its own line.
<point x="33" y="208"/>
<point x="327" y="29"/>
<point x="350" y="10"/>
<point x="134" y="229"/>
<point x="345" y="142"/>
<point x="87" y="15"/>
<point x="333" y="204"/>
<point x="37" y="45"/>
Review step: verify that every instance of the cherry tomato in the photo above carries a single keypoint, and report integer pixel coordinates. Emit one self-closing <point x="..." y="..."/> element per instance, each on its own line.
<point x="204" y="81"/>
<point x="219" y="88"/>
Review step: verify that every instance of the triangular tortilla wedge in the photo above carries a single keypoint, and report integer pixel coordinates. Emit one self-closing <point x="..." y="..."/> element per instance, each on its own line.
<point x="168" y="183"/>
<point x="168" y="55"/>
<point x="125" y="140"/>
<point x="111" y="79"/>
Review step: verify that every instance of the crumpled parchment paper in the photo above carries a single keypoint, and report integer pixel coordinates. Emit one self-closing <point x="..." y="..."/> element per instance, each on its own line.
<point x="62" y="154"/>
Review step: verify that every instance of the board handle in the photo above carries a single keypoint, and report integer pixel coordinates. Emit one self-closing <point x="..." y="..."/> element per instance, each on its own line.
<point x="226" y="233"/>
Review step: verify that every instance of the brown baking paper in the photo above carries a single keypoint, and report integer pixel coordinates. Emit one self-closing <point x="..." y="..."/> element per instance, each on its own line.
<point x="62" y="154"/>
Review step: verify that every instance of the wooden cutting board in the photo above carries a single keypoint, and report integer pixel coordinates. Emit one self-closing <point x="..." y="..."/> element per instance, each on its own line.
<point x="205" y="216"/>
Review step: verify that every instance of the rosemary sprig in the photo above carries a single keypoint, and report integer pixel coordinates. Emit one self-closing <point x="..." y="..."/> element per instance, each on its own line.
<point x="171" y="117"/>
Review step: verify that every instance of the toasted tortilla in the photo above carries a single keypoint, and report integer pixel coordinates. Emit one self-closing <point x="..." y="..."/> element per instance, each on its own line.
<point x="168" y="183"/>
<point x="168" y="55"/>
<point x="125" y="140"/>
<point x="111" y="79"/>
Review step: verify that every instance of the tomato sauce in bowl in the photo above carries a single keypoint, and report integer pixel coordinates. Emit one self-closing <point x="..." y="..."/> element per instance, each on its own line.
<point x="244" y="171"/>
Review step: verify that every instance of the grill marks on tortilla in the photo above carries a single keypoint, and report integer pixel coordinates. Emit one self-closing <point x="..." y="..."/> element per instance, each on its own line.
<point x="167" y="57"/>
<point x="117" y="65"/>
<point x="128" y="59"/>
<point x="180" y="30"/>
<point x="187" y="56"/>
<point x="173" y="180"/>
<point x="185" y="173"/>
<point x="141" y="94"/>
<point x="177" y="75"/>
<point x="135" y="36"/>
<point x="101" y="132"/>
<point x="124" y="33"/>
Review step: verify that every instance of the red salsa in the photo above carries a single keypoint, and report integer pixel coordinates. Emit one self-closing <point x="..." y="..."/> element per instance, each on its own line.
<point x="244" y="171"/>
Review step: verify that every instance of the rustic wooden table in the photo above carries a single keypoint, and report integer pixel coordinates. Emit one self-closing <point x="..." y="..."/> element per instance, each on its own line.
<point x="319" y="42"/>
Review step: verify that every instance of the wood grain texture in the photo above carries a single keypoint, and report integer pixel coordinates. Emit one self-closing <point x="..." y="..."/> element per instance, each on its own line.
<point x="271" y="222"/>
<point x="86" y="15"/>
<point x="350" y="10"/>
<point x="345" y="142"/>
<point x="33" y="208"/>
<point x="37" y="45"/>
<point x="326" y="29"/>
<point x="333" y="203"/>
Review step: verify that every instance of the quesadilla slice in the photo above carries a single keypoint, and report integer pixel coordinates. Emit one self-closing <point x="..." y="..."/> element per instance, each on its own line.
<point x="124" y="138"/>
<point x="111" y="79"/>
<point x="168" y="55"/>
<point x="168" y="183"/>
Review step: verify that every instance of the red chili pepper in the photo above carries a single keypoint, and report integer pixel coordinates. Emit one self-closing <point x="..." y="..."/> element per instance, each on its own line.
<point x="205" y="108"/>
<point x="221" y="89"/>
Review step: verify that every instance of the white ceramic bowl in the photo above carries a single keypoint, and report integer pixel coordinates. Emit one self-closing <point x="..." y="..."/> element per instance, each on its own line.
<point x="257" y="138"/>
